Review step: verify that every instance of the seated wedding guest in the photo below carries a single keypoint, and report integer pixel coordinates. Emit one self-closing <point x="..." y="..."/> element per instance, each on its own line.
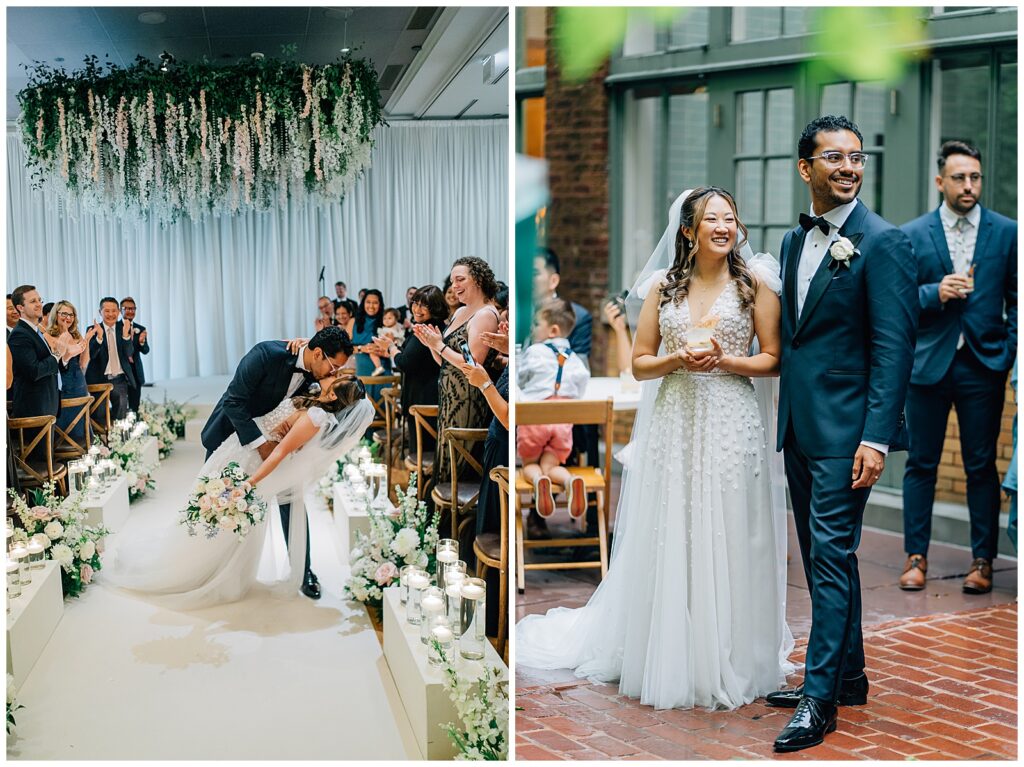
<point x="391" y="328"/>
<point x="450" y="298"/>
<point x="406" y="309"/>
<point x="140" y="346"/>
<point x="343" y="317"/>
<point x="35" y="389"/>
<point x="546" y="279"/>
<point x="550" y="370"/>
<point x="966" y="343"/>
<point x="325" y="313"/>
<point x="44" y="323"/>
<point x="341" y="293"/>
<point x="616" y="317"/>
<point x="109" y="350"/>
<point x="64" y="320"/>
<point x="12" y="315"/>
<point x="459" y="404"/>
<point x="418" y="367"/>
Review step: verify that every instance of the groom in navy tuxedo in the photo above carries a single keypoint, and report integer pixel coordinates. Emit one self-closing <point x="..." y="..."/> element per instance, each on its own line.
<point x="849" y="319"/>
<point x="265" y="376"/>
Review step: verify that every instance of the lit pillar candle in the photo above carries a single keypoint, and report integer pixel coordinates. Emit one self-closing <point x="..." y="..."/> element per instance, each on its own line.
<point x="473" y="618"/>
<point x="13" y="580"/>
<point x="431" y="606"/>
<point x="19" y="555"/>
<point x="417" y="582"/>
<point x="35" y="554"/>
<point x="442" y="634"/>
<point x="447" y="553"/>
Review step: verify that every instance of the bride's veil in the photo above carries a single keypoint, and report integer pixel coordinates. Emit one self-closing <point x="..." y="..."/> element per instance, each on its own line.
<point x="767" y="269"/>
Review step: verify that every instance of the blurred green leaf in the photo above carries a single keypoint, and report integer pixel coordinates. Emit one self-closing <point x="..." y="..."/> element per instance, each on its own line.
<point x="864" y="43"/>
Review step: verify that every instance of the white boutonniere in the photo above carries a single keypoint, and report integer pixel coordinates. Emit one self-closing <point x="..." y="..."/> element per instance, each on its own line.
<point x="843" y="249"/>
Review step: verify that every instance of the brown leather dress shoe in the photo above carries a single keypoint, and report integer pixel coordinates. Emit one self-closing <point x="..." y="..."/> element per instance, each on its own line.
<point x="979" y="577"/>
<point x="913" y="578"/>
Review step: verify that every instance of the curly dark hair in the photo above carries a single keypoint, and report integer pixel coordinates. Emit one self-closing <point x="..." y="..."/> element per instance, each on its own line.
<point x="828" y="124"/>
<point x="677" y="279"/>
<point x="346" y="387"/>
<point x="332" y="339"/>
<point x="481" y="273"/>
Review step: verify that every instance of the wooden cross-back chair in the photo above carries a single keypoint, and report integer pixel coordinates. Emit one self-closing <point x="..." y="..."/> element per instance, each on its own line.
<point x="99" y="411"/>
<point x="66" y="446"/>
<point x="459" y="492"/>
<point x="392" y="428"/>
<point x="32" y="441"/>
<point x="491" y="551"/>
<point x="422" y="462"/>
<point x="598" y="482"/>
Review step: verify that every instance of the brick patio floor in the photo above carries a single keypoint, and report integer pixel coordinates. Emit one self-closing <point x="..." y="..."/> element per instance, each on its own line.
<point x="942" y="687"/>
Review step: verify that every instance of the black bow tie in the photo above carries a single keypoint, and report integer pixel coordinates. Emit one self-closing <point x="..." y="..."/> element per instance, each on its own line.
<point x="809" y="222"/>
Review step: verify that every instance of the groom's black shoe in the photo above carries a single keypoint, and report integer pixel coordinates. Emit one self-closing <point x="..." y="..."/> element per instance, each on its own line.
<point x="852" y="692"/>
<point x="311" y="586"/>
<point x="812" y="720"/>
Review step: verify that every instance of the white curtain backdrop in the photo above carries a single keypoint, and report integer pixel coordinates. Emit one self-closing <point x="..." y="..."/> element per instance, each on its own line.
<point x="208" y="291"/>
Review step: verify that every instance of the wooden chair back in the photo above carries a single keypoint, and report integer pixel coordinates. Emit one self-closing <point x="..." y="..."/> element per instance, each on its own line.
<point x="32" y="440"/>
<point x="424" y="465"/>
<point x="484" y="547"/>
<point x="461" y="461"/>
<point x="99" y="411"/>
<point x="67" y="447"/>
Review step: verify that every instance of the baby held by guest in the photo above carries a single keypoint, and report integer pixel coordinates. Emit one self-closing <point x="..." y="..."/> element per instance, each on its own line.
<point x="391" y="329"/>
<point x="549" y="370"/>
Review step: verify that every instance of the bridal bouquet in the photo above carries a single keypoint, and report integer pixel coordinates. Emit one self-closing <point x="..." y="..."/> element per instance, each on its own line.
<point x="224" y="502"/>
<point x="483" y="708"/>
<point x="403" y="536"/>
<point x="59" y="524"/>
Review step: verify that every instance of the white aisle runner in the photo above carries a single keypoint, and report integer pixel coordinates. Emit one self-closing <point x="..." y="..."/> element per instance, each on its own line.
<point x="259" y="679"/>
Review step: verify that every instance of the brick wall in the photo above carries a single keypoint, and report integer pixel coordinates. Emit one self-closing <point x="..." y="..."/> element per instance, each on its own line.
<point x="576" y="148"/>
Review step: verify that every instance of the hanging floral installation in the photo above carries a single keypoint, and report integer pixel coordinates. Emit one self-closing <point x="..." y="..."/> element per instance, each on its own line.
<point x="140" y="143"/>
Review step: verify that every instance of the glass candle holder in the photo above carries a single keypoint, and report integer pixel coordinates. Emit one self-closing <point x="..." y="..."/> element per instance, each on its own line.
<point x="34" y="559"/>
<point x="403" y="582"/>
<point x="473" y="619"/>
<point x="440" y="632"/>
<point x="13" y="581"/>
<point x="19" y="555"/>
<point x="453" y="579"/>
<point x="431" y="606"/>
<point x="417" y="581"/>
<point x="447" y="554"/>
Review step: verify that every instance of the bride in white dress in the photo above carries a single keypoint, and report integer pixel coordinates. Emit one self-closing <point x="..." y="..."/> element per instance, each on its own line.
<point x="158" y="557"/>
<point x="692" y="611"/>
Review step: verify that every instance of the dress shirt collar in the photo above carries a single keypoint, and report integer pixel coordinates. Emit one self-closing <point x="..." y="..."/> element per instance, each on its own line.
<point x="298" y="360"/>
<point x="837" y="216"/>
<point x="949" y="216"/>
<point x="35" y="328"/>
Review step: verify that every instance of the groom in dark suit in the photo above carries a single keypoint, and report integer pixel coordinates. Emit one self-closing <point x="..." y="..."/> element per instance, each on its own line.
<point x="967" y="277"/>
<point x="265" y="376"/>
<point x="849" y="317"/>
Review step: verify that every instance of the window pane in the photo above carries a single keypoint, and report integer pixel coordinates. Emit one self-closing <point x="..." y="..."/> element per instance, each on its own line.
<point x="795" y="20"/>
<point x="643" y="211"/>
<point x="687" y="142"/>
<point x="531" y="28"/>
<point x="871" y="188"/>
<point x="772" y="240"/>
<point x="755" y="23"/>
<point x="778" y="192"/>
<point x="641" y="35"/>
<point x="690" y="28"/>
<point x="748" y="191"/>
<point x="532" y="122"/>
<point x="1004" y="199"/>
<point x="749" y="115"/>
<point x="965" y="93"/>
<point x="780" y="121"/>
<point x="869" y="109"/>
<point x="835" y="99"/>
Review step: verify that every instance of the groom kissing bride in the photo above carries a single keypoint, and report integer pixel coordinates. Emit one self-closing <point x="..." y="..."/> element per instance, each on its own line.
<point x="692" y="611"/>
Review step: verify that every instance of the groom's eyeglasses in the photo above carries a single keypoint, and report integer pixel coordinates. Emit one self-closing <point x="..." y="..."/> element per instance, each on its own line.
<point x="835" y="159"/>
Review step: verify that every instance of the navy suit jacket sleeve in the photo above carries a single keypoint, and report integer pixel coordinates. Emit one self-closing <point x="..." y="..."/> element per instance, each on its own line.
<point x="141" y="348"/>
<point x="248" y="378"/>
<point x="891" y="279"/>
<point x="26" y="360"/>
<point x="1011" y="297"/>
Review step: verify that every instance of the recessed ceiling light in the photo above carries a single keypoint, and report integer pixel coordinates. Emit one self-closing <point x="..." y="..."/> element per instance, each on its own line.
<point x="152" y="17"/>
<point x="345" y="50"/>
<point x="59" y="58"/>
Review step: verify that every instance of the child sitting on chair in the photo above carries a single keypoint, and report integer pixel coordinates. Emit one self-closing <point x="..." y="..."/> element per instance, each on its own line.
<point x="390" y="330"/>
<point x="549" y="370"/>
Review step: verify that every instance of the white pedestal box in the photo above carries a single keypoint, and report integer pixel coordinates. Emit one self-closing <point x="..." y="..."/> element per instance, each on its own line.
<point x="349" y="515"/>
<point x="34" y="616"/>
<point x="110" y="506"/>
<point x="151" y="452"/>
<point x="420" y="685"/>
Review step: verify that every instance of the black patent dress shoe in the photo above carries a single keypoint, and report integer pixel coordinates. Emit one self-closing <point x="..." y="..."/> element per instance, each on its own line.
<point x="811" y="722"/>
<point x="311" y="586"/>
<point x="852" y="692"/>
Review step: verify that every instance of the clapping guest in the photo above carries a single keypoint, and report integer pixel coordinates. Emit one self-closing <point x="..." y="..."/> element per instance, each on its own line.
<point x="343" y="317"/>
<point x="109" y="350"/>
<point x="369" y="319"/>
<point x="64" y="320"/>
<point x="325" y="313"/>
<point x="35" y="389"/>
<point x="140" y="346"/>
<point x="450" y="297"/>
<point x="12" y="315"/>
<point x="44" y="323"/>
<point x="406" y="311"/>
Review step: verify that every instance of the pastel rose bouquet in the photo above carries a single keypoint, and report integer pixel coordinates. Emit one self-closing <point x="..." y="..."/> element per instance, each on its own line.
<point x="225" y="502"/>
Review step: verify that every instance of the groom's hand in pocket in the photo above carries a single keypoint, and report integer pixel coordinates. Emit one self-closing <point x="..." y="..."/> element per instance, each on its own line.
<point x="266" y="449"/>
<point x="867" y="467"/>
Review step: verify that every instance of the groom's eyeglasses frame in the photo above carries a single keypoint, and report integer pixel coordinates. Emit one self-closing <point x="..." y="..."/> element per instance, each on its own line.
<point x="835" y="159"/>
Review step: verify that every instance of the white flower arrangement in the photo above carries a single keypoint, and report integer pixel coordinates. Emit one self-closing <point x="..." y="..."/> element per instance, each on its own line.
<point x="325" y="487"/>
<point x="483" y="707"/>
<point x="397" y="538"/>
<point x="59" y="524"/>
<point x="226" y="502"/>
<point x="128" y="456"/>
<point x="166" y="422"/>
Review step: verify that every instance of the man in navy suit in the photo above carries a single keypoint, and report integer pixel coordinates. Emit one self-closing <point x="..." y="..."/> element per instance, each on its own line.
<point x="109" y="351"/>
<point x="967" y="287"/>
<point x="140" y="346"/>
<point x="35" y="390"/>
<point x="265" y="376"/>
<point x="849" y="314"/>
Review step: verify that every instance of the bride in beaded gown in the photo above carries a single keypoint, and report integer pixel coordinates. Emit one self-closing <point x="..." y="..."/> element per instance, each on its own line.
<point x="691" y="612"/>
